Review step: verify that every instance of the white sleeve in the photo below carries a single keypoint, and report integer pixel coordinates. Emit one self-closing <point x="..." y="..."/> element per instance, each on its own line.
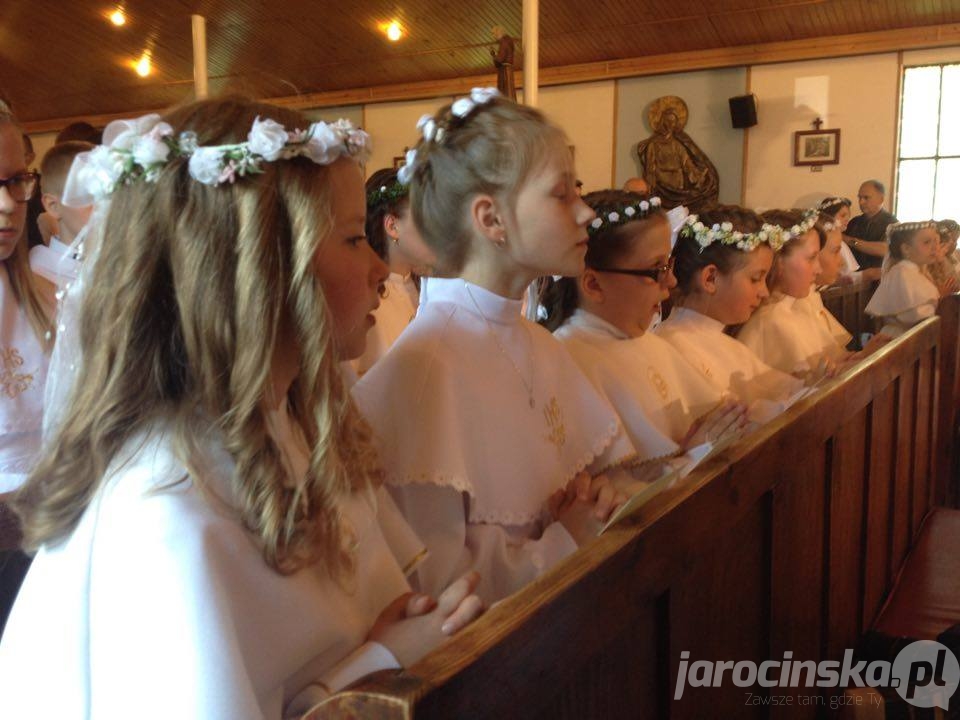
<point x="366" y="659"/>
<point x="507" y="561"/>
<point x="506" y="557"/>
<point x="916" y="314"/>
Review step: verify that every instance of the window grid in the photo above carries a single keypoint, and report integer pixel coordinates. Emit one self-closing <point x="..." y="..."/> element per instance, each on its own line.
<point x="932" y="192"/>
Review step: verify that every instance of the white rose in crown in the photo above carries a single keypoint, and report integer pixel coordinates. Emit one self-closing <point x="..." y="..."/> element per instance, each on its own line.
<point x="481" y="96"/>
<point x="151" y="149"/>
<point x="267" y="138"/>
<point x="123" y="134"/>
<point x="101" y="171"/>
<point x="405" y="173"/>
<point x="206" y="165"/>
<point x="325" y="144"/>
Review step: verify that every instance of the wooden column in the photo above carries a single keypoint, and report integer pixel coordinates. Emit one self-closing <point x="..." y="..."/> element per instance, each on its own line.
<point x="199" y="24"/>
<point x="531" y="52"/>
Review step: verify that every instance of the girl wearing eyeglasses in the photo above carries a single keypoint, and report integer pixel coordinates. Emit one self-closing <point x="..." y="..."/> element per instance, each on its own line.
<point x="26" y="308"/>
<point x="603" y="317"/>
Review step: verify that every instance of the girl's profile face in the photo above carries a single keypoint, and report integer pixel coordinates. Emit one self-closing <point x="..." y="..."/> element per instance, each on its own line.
<point x="798" y="265"/>
<point x="407" y="248"/>
<point x="740" y="292"/>
<point x="548" y="232"/>
<point x="922" y="247"/>
<point x="348" y="269"/>
<point x="631" y="301"/>
<point x="830" y="258"/>
<point x="842" y="218"/>
<point x="13" y="214"/>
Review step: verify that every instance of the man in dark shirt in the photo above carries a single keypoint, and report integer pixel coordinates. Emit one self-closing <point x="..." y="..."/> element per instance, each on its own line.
<point x="867" y="232"/>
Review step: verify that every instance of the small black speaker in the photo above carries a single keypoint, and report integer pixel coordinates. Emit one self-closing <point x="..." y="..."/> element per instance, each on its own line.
<point x="743" y="111"/>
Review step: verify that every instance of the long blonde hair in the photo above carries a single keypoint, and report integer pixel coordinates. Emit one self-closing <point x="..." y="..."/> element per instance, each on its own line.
<point x="22" y="282"/>
<point x="190" y="295"/>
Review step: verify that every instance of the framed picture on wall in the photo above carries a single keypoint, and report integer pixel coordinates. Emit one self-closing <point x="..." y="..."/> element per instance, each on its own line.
<point x="816" y="147"/>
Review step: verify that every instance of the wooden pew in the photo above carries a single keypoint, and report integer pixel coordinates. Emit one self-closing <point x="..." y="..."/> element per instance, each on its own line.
<point x="788" y="541"/>
<point x="948" y="457"/>
<point x="847" y="304"/>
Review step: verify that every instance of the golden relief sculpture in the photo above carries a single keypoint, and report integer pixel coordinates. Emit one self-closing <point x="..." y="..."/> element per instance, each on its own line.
<point x="674" y="167"/>
<point x="12" y="383"/>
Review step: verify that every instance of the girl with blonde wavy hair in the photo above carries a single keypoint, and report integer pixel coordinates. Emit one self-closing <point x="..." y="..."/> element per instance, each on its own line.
<point x="212" y="538"/>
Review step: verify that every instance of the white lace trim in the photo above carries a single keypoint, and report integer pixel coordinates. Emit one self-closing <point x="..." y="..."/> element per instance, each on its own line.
<point x="507" y="517"/>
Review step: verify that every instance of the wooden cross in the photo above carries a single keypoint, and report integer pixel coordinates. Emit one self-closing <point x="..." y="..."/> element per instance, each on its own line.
<point x="817" y="123"/>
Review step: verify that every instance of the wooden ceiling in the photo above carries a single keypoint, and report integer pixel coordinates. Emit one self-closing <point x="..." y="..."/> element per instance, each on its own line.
<point x="63" y="59"/>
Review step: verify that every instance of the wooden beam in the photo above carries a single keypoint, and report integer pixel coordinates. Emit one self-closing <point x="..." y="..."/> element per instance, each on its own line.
<point x="929" y="36"/>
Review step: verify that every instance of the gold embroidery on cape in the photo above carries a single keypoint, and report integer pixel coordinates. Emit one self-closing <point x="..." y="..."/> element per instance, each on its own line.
<point x="553" y="414"/>
<point x="659" y="384"/>
<point x="13" y="383"/>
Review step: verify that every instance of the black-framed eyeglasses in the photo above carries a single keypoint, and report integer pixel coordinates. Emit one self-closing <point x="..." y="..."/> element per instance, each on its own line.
<point x="657" y="274"/>
<point x="21" y="186"/>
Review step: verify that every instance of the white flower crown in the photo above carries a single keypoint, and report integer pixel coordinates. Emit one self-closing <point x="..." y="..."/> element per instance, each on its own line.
<point x="432" y="131"/>
<point x="724" y="234"/>
<point x="773" y="235"/>
<point x="138" y="149"/>
<point x="918" y="225"/>
<point x="634" y="211"/>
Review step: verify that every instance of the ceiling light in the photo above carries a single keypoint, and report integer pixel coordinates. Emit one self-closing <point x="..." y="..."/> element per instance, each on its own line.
<point x="143" y="66"/>
<point x="393" y="30"/>
<point x="118" y="18"/>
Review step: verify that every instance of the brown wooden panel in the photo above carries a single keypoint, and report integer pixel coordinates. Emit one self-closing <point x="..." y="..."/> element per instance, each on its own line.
<point x="947" y="489"/>
<point x="797" y="562"/>
<point x="846" y="535"/>
<point x="923" y="438"/>
<point x="719" y="611"/>
<point x="903" y="468"/>
<point x="878" y="534"/>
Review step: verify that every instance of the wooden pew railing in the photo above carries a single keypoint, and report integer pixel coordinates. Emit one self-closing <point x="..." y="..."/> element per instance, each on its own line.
<point x="789" y="541"/>
<point x="948" y="450"/>
<point x="848" y="303"/>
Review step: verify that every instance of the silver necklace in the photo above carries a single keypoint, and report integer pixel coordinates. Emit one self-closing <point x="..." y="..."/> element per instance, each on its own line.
<point x="528" y="386"/>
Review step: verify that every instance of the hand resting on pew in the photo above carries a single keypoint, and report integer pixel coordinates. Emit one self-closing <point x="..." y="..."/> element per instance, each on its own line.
<point x="585" y="505"/>
<point x="414" y="624"/>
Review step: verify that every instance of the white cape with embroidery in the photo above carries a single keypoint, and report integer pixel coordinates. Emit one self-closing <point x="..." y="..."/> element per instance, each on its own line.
<point x="657" y="394"/>
<point x="23" y="374"/>
<point x="160" y="605"/>
<point x="730" y="365"/>
<point x="786" y="335"/>
<point x="904" y="297"/>
<point x="450" y="409"/>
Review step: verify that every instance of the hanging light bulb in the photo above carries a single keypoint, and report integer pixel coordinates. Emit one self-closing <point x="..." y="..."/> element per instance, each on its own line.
<point x="143" y="66"/>
<point x="117" y="17"/>
<point x="393" y="30"/>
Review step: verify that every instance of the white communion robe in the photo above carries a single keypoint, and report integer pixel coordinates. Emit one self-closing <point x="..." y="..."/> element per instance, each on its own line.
<point x="470" y="460"/>
<point x="730" y="365"/>
<point x="23" y="374"/>
<point x="785" y="334"/>
<point x="160" y="605"/>
<point x="397" y="309"/>
<point x="657" y="393"/>
<point x="830" y="327"/>
<point x="904" y="297"/>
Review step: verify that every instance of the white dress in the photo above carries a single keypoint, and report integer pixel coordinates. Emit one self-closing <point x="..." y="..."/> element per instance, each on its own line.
<point x="904" y="297"/>
<point x="470" y="462"/>
<point x="813" y="305"/>
<point x="23" y="374"/>
<point x="159" y="605"/>
<point x="730" y="365"/>
<point x="785" y="334"/>
<point x="657" y="393"/>
<point x="397" y="309"/>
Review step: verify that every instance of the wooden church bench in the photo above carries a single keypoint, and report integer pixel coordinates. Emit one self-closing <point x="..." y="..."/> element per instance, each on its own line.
<point x="788" y="541"/>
